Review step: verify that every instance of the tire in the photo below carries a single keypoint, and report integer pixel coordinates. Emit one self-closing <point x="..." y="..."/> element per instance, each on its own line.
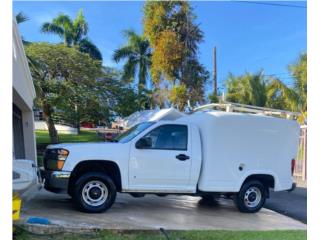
<point x="94" y="192"/>
<point x="251" y="197"/>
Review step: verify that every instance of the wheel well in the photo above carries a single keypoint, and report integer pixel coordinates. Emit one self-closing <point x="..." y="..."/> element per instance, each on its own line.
<point x="109" y="167"/>
<point x="265" y="179"/>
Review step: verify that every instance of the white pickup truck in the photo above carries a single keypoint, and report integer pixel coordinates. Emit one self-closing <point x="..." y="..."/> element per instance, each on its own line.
<point x="204" y="154"/>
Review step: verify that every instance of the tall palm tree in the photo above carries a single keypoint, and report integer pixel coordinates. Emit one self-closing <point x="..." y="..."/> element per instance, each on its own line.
<point x="137" y="52"/>
<point x="73" y="32"/>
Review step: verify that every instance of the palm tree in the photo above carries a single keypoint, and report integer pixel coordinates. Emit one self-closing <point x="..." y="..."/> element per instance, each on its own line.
<point x="73" y="33"/>
<point x="137" y="52"/>
<point x="247" y="89"/>
<point x="295" y="98"/>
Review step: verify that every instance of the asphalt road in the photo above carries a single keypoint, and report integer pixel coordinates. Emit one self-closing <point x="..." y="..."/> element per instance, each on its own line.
<point x="292" y="204"/>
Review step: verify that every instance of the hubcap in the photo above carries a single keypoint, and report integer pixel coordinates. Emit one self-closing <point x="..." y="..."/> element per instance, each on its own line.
<point x="95" y="193"/>
<point x="252" y="197"/>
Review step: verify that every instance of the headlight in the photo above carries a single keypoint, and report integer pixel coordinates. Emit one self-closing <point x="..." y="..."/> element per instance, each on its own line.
<point x="54" y="158"/>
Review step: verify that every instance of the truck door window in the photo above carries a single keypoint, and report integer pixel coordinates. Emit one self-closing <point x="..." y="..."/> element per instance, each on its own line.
<point x="168" y="137"/>
<point x="133" y="132"/>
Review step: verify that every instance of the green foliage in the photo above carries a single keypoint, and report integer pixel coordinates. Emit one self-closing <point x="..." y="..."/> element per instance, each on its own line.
<point x="174" y="37"/>
<point x="179" y="96"/>
<point x="73" y="32"/>
<point x="187" y="235"/>
<point x="247" y="89"/>
<point x="167" y="57"/>
<point x="299" y="72"/>
<point x="213" y="98"/>
<point x="65" y="79"/>
<point x="42" y="137"/>
<point x="195" y="77"/>
<point x="137" y="53"/>
<point x="58" y="70"/>
<point x="293" y="99"/>
<point x="257" y="90"/>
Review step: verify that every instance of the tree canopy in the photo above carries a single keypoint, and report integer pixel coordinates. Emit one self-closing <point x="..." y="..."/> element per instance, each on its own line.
<point x="174" y="37"/>
<point x="259" y="90"/>
<point x="62" y="76"/>
<point x="247" y="89"/>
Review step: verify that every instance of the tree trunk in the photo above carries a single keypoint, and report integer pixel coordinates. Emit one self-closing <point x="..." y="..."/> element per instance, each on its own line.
<point x="47" y="114"/>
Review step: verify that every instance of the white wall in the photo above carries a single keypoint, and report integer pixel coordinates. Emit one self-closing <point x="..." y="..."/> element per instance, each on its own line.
<point x="22" y="80"/>
<point x="41" y="125"/>
<point x="23" y="92"/>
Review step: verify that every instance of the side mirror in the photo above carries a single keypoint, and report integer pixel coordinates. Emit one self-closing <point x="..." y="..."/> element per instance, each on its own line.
<point x="143" y="143"/>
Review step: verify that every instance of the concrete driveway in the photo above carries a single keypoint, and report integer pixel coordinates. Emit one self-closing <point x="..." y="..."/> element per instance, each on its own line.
<point x="153" y="212"/>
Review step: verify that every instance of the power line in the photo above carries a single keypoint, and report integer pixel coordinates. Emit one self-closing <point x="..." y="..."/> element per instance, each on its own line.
<point x="273" y="4"/>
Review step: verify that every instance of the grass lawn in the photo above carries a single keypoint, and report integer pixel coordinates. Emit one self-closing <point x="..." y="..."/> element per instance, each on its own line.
<point x="42" y="137"/>
<point x="173" y="235"/>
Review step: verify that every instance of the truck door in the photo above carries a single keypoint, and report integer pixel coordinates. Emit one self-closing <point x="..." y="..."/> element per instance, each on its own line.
<point x="161" y="160"/>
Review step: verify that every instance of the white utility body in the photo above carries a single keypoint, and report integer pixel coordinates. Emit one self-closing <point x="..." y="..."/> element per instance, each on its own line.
<point x="206" y="154"/>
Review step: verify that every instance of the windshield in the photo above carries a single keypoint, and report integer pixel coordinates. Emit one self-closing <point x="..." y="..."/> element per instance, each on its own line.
<point x="132" y="132"/>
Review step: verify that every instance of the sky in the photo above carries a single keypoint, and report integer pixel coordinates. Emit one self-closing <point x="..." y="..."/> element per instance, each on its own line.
<point x="248" y="36"/>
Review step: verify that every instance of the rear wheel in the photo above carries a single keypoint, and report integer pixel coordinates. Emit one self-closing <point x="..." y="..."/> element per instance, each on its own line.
<point x="94" y="192"/>
<point x="251" y="197"/>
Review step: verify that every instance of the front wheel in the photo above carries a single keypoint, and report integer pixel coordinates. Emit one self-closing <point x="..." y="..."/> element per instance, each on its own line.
<point x="94" y="192"/>
<point x="251" y="197"/>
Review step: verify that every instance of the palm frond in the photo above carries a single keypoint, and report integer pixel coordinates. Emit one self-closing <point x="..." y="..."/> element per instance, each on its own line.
<point x="80" y="26"/>
<point x="62" y="20"/>
<point x="21" y="17"/>
<point x="86" y="46"/>
<point x="121" y="53"/>
<point x="288" y="95"/>
<point x="52" y="28"/>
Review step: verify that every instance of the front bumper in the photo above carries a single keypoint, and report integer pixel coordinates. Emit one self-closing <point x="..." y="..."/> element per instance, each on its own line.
<point x="55" y="181"/>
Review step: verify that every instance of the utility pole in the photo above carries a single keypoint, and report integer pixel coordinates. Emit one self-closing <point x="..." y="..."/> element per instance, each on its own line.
<point x="215" y="87"/>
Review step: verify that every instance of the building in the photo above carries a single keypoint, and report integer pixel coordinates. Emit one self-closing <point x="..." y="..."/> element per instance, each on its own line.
<point x="24" y="145"/>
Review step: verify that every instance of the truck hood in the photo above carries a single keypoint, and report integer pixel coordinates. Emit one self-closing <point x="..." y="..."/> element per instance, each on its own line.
<point x="85" y="146"/>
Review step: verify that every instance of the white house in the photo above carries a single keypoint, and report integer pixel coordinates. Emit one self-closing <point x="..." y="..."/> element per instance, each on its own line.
<point x="24" y="145"/>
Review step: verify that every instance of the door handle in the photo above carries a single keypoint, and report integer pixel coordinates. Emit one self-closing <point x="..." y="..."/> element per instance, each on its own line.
<point x="182" y="157"/>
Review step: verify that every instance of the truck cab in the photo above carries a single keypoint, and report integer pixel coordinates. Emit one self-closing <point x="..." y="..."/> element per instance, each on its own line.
<point x="164" y="157"/>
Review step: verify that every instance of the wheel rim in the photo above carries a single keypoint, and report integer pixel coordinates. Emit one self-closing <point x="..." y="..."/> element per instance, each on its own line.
<point x="95" y="193"/>
<point x="252" y="197"/>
